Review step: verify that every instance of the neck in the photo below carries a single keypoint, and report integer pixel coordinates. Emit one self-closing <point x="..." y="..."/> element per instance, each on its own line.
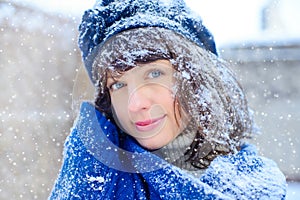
<point x="174" y="152"/>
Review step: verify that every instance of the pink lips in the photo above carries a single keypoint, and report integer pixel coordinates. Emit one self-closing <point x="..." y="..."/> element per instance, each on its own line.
<point x="148" y="125"/>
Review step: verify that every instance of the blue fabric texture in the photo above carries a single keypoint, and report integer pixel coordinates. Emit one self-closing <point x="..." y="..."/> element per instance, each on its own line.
<point x="108" y="18"/>
<point x="83" y="175"/>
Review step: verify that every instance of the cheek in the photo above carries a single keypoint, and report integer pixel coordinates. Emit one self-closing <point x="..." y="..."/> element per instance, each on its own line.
<point x="119" y="105"/>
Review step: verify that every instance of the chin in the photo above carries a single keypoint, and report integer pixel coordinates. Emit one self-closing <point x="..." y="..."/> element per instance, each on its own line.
<point x="152" y="145"/>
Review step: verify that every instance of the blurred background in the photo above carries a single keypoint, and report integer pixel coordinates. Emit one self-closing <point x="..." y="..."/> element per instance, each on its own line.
<point x="39" y="62"/>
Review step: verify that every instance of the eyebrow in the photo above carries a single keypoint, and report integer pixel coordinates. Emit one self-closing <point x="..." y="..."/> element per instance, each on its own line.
<point x="114" y="76"/>
<point x="111" y="79"/>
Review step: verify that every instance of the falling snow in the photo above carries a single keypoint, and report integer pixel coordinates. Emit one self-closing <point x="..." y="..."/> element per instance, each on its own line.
<point x="39" y="62"/>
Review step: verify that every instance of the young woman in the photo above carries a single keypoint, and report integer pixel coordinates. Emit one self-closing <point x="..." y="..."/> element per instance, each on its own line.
<point x="169" y="119"/>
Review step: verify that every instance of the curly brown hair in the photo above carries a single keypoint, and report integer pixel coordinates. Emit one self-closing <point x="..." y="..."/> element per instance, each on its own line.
<point x="205" y="87"/>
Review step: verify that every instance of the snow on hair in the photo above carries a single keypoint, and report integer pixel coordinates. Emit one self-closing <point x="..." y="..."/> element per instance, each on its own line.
<point x="206" y="87"/>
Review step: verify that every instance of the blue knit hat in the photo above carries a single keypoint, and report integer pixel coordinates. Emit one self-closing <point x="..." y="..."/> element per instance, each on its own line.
<point x="109" y="17"/>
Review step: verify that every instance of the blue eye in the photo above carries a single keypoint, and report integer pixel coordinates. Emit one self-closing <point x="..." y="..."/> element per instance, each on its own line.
<point x="155" y="73"/>
<point x="117" y="85"/>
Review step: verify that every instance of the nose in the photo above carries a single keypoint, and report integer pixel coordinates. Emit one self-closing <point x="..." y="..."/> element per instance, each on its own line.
<point x="139" y="100"/>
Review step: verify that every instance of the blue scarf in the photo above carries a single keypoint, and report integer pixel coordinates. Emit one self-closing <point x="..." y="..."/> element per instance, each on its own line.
<point x="102" y="163"/>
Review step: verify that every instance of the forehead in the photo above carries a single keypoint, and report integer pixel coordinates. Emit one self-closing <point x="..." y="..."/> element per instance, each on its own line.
<point x="140" y="68"/>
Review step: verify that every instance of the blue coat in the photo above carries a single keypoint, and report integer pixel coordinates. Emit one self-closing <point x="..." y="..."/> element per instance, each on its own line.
<point x="91" y="170"/>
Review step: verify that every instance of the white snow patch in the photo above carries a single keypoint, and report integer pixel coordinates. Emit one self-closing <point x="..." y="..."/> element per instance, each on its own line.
<point x="99" y="179"/>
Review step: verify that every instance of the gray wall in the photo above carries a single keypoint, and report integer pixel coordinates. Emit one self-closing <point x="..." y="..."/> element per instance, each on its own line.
<point x="37" y="67"/>
<point x="269" y="72"/>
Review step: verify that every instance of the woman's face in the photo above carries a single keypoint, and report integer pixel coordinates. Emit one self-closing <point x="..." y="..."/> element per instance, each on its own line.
<point x="144" y="104"/>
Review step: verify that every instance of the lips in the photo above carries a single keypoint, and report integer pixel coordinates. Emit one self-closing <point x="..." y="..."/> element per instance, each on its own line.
<point x="150" y="124"/>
